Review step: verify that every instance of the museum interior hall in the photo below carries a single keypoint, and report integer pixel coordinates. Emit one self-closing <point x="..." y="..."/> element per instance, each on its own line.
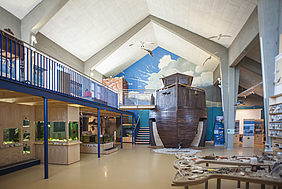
<point x="141" y="94"/>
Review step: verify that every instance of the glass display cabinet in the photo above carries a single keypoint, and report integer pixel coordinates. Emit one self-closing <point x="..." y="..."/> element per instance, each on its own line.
<point x="11" y="135"/>
<point x="26" y="123"/>
<point x="73" y="131"/>
<point x="26" y="150"/>
<point x="26" y="136"/>
<point x="56" y="131"/>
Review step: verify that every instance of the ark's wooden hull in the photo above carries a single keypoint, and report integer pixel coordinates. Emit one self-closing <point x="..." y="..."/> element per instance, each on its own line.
<point x="179" y="109"/>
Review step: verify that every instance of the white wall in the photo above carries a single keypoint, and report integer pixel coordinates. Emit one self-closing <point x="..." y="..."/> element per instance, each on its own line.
<point x="247" y="114"/>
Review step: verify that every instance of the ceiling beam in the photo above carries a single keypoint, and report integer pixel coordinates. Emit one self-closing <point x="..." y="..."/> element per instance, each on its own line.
<point x="97" y="58"/>
<point x="251" y="90"/>
<point x="251" y="65"/>
<point x="39" y="16"/>
<point x="193" y="38"/>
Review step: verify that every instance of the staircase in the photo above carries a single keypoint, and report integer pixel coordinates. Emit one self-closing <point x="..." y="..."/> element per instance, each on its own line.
<point x="143" y="136"/>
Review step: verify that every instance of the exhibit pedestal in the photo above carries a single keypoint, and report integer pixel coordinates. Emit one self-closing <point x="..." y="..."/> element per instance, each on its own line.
<point x="236" y="139"/>
<point x="93" y="148"/>
<point x="258" y="139"/>
<point x="59" y="153"/>
<point x="248" y="141"/>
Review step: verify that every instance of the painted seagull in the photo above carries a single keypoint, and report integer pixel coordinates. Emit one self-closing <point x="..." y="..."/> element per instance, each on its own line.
<point x="209" y="58"/>
<point x="219" y="36"/>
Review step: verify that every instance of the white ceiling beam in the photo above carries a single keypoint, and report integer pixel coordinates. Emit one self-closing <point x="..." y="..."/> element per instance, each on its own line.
<point x="39" y="16"/>
<point x="97" y="58"/>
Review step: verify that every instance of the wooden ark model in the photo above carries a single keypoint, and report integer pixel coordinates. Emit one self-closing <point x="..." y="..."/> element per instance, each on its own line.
<point x="180" y="116"/>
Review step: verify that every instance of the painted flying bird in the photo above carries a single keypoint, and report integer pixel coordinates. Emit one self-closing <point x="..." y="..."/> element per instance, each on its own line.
<point x="149" y="51"/>
<point x="209" y="58"/>
<point x="219" y="36"/>
<point x="142" y="43"/>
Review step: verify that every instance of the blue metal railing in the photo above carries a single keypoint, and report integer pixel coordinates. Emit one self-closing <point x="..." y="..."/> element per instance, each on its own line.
<point x="24" y="64"/>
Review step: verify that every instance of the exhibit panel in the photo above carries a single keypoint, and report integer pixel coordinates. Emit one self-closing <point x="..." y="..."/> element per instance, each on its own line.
<point x="219" y="139"/>
<point x="236" y="139"/>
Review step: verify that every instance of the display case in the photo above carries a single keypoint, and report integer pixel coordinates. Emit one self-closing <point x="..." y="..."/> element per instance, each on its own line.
<point x="26" y="150"/>
<point x="56" y="131"/>
<point x="259" y="131"/>
<point x="248" y="133"/>
<point x="127" y="133"/>
<point x="11" y="135"/>
<point x="73" y="131"/>
<point x="26" y="122"/>
<point x="93" y="139"/>
<point x="275" y="120"/>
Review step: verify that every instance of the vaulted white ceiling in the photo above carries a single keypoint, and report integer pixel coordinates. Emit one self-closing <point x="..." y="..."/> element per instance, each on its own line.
<point x="19" y="8"/>
<point x="85" y="27"/>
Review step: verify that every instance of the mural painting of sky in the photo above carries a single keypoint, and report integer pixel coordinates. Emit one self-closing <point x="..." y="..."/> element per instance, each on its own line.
<point x="146" y="72"/>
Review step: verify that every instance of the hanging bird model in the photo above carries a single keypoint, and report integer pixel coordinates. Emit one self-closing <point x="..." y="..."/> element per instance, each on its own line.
<point x="150" y="52"/>
<point x="209" y="58"/>
<point x="142" y="45"/>
<point x="219" y="36"/>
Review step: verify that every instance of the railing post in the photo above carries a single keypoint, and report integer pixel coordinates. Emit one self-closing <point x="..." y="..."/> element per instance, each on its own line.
<point x="45" y="138"/>
<point x="121" y="131"/>
<point x="98" y="133"/>
<point x="132" y="129"/>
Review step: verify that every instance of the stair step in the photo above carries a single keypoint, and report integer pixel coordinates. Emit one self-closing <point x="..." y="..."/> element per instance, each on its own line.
<point x="142" y="142"/>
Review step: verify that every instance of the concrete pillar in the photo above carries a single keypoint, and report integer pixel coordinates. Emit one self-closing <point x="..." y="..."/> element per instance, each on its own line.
<point x="229" y="90"/>
<point x="268" y="14"/>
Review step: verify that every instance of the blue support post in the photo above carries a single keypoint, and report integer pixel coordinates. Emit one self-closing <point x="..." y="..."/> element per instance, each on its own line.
<point x="132" y="129"/>
<point x="98" y="133"/>
<point x="45" y="138"/>
<point x="121" y="131"/>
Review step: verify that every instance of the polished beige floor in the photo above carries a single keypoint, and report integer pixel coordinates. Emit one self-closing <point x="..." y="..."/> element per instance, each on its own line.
<point x="133" y="167"/>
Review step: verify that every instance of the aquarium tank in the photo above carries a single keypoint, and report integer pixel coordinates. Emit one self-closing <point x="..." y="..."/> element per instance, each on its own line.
<point x="56" y="131"/>
<point x="26" y="150"/>
<point x="26" y="136"/>
<point x="26" y="123"/>
<point x="73" y="131"/>
<point x="11" y="135"/>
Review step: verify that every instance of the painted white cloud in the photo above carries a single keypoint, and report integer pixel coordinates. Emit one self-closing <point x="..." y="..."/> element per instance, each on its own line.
<point x="165" y="61"/>
<point x="200" y="69"/>
<point x="204" y="80"/>
<point x="191" y="73"/>
<point x="202" y="77"/>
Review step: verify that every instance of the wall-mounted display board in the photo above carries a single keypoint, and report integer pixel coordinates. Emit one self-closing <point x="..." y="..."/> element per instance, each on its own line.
<point x="248" y="133"/>
<point x="219" y="131"/>
<point x="236" y="133"/>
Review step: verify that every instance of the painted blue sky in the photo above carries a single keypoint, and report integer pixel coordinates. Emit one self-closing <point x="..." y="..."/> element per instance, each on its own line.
<point x="146" y="72"/>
